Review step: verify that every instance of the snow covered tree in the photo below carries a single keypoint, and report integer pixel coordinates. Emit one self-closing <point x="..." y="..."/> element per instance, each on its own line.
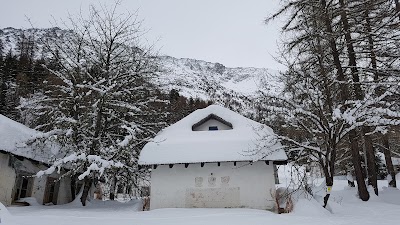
<point x="379" y="55"/>
<point x="98" y="97"/>
<point x="9" y="89"/>
<point x="330" y="96"/>
<point x="2" y="79"/>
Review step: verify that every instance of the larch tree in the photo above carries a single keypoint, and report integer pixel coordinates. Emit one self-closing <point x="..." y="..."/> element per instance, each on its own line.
<point x="3" y="86"/>
<point x="330" y="96"/>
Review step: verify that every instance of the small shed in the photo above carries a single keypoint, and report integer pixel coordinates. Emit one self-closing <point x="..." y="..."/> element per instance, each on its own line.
<point x="396" y="164"/>
<point x="213" y="158"/>
<point x="20" y="161"/>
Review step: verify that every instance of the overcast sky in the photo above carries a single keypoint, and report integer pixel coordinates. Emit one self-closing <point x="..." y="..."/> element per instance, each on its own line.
<point x="231" y="32"/>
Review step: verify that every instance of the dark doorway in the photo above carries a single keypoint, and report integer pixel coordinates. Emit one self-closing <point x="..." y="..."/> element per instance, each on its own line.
<point x="23" y="186"/>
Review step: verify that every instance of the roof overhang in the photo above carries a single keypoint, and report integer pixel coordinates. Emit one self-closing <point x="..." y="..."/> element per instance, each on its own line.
<point x="274" y="162"/>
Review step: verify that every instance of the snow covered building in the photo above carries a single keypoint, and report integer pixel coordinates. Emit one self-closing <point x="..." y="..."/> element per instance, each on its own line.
<point x="396" y="164"/>
<point x="213" y="158"/>
<point x="19" y="162"/>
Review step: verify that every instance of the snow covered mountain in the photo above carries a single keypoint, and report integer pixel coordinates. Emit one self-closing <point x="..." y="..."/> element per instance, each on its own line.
<point x="9" y="38"/>
<point x="206" y="80"/>
<point x="233" y="87"/>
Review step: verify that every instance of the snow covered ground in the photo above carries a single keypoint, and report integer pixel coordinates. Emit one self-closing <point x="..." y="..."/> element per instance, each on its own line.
<point x="346" y="208"/>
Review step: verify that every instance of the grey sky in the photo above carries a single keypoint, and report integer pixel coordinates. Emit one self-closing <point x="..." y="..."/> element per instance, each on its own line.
<point x="227" y="31"/>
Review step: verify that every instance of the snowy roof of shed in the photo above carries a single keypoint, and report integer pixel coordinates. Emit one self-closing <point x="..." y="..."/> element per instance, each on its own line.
<point x="395" y="161"/>
<point x="247" y="141"/>
<point x="14" y="137"/>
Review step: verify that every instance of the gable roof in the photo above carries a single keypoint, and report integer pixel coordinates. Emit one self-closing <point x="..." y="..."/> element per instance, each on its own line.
<point x="178" y="143"/>
<point x="14" y="137"/>
<point x="210" y="117"/>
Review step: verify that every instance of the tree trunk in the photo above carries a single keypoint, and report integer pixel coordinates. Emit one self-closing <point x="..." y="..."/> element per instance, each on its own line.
<point x="363" y="192"/>
<point x="329" y="183"/>
<point x="73" y="187"/>
<point x="112" y="188"/>
<point x="396" y="2"/>
<point x="328" y="166"/>
<point x="350" y="51"/>
<point x="362" y="188"/>
<point x="371" y="164"/>
<point x="388" y="159"/>
<point x="86" y="189"/>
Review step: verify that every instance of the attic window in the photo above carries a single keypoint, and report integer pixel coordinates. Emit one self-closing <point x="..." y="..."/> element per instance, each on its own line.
<point x="213" y="128"/>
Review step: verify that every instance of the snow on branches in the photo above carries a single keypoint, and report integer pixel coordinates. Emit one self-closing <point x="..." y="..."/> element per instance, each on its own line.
<point x="95" y="162"/>
<point x="98" y="96"/>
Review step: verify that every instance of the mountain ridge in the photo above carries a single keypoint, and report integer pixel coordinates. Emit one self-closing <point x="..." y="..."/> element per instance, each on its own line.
<point x="233" y="87"/>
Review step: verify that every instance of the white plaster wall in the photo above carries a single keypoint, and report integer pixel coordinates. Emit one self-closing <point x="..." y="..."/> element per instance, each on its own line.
<point x="39" y="183"/>
<point x="64" y="191"/>
<point x="39" y="188"/>
<point x="8" y="177"/>
<point x="250" y="186"/>
<point x="7" y="180"/>
<point x="212" y="122"/>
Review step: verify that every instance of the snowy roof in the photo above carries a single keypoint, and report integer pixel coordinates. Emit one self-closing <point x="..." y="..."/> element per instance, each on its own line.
<point x="178" y="143"/>
<point x="14" y="137"/>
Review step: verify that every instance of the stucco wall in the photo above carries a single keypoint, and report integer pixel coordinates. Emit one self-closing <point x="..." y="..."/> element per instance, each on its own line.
<point x="212" y="122"/>
<point x="7" y="180"/>
<point x="250" y="186"/>
<point x="64" y="191"/>
<point x="39" y="188"/>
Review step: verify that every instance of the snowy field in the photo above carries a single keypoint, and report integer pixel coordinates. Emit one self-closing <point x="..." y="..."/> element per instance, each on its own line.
<point x="346" y="209"/>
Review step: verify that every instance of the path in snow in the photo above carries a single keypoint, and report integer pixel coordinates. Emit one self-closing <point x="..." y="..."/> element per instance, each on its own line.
<point x="346" y="207"/>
